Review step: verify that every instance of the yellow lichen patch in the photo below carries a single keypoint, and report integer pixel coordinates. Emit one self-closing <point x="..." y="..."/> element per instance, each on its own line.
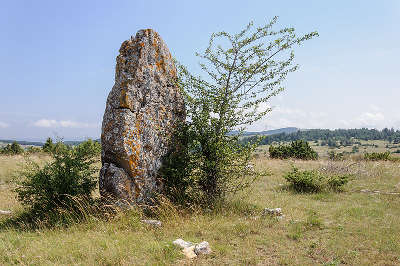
<point x="160" y="64"/>
<point x="172" y="72"/>
<point x="133" y="142"/>
<point x="124" y="99"/>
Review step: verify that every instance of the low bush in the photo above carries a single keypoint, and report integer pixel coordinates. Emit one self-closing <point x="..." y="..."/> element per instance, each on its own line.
<point x="33" y="149"/>
<point x="377" y="156"/>
<point x="334" y="156"/>
<point x="58" y="184"/>
<point x="12" y="149"/>
<point x="197" y="172"/>
<point x="314" y="180"/>
<point x="48" y="145"/>
<point x="298" y="149"/>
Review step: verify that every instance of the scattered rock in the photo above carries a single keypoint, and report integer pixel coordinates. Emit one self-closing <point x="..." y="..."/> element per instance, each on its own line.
<point x="192" y="250"/>
<point x="182" y="243"/>
<point x="277" y="213"/>
<point x="202" y="248"/>
<point x="141" y="111"/>
<point x="189" y="252"/>
<point x="156" y="223"/>
<point x="369" y="191"/>
<point x="5" y="212"/>
<point x="273" y="212"/>
<point x="378" y="192"/>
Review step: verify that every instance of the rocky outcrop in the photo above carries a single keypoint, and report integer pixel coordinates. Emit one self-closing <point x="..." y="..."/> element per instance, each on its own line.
<point x="141" y="112"/>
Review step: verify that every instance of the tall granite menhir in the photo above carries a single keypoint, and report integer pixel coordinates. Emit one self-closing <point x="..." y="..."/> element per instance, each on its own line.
<point x="140" y="114"/>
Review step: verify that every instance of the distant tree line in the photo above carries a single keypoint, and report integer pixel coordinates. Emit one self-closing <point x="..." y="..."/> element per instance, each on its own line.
<point x="332" y="138"/>
<point x="22" y="142"/>
<point x="49" y="146"/>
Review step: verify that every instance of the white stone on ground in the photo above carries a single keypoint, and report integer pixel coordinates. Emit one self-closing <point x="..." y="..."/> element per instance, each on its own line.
<point x="189" y="252"/>
<point x="182" y="243"/>
<point x="202" y="248"/>
<point x="273" y="212"/>
<point x="192" y="250"/>
<point x="152" y="222"/>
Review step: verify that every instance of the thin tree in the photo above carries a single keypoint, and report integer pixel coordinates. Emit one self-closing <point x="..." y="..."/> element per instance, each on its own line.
<point x="243" y="71"/>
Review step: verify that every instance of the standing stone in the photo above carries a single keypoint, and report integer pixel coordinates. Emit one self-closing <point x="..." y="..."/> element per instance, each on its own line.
<point x="141" y="111"/>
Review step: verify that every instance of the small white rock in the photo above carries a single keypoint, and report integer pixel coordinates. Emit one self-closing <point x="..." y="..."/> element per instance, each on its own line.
<point x="189" y="252"/>
<point x="182" y="243"/>
<point x="152" y="222"/>
<point x="273" y="212"/>
<point x="249" y="167"/>
<point x="5" y="212"/>
<point x="202" y="248"/>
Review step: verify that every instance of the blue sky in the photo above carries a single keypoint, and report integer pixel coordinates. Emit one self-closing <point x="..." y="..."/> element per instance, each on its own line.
<point x="58" y="59"/>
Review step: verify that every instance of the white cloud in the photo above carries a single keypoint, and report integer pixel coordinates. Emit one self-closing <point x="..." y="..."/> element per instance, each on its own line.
<point x="374" y="119"/>
<point x="368" y="118"/>
<point x="51" y="123"/>
<point x="45" y="123"/>
<point x="281" y="117"/>
<point x="293" y="117"/>
<point x="3" y="125"/>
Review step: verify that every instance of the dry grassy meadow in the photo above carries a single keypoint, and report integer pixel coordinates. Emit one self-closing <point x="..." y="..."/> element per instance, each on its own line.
<point x="354" y="227"/>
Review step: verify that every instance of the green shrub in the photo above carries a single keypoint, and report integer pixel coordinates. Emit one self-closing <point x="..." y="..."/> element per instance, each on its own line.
<point x="340" y="156"/>
<point x="201" y="171"/>
<point x="177" y="168"/>
<point x="377" y="156"/>
<point x="354" y="149"/>
<point x="12" y="149"/>
<point x="68" y="175"/>
<point x="33" y="149"/>
<point x="91" y="145"/>
<point x="314" y="180"/>
<point x="298" y="149"/>
<point x="48" y="146"/>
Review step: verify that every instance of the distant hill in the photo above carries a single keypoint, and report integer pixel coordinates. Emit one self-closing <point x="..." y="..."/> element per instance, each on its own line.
<point x="286" y="130"/>
<point x="330" y="137"/>
<point x="40" y="144"/>
<point x="22" y="142"/>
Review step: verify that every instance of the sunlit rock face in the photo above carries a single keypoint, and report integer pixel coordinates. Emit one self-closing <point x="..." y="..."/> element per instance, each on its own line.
<point x="141" y="112"/>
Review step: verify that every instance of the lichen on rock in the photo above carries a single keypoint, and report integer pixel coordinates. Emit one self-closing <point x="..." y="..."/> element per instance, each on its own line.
<point x="141" y="111"/>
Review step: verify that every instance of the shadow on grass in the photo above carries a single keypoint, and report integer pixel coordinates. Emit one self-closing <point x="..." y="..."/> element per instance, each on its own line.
<point x="83" y="211"/>
<point x="34" y="219"/>
<point x="324" y="192"/>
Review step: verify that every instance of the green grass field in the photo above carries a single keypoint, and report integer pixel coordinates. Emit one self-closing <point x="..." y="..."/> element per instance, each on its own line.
<point x="351" y="227"/>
